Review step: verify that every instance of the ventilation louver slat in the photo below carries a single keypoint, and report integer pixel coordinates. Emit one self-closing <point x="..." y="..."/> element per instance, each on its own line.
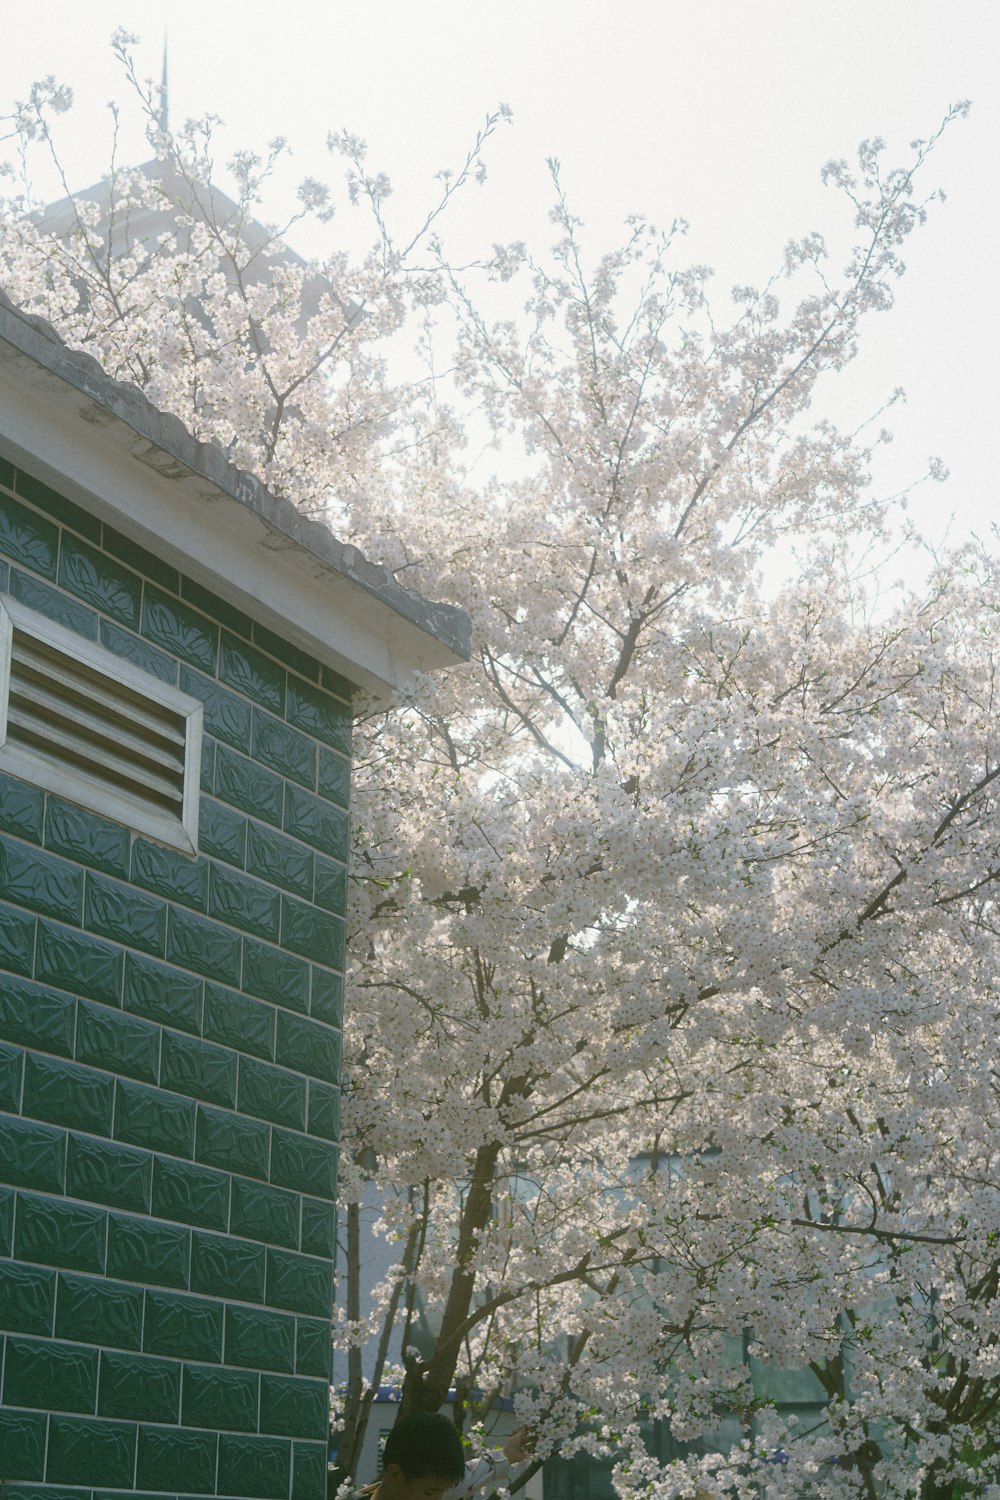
<point x="83" y="718"/>
<point x="88" y="725"/>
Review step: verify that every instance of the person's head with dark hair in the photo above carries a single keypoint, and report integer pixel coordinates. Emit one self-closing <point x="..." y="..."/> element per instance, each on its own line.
<point x="423" y="1458"/>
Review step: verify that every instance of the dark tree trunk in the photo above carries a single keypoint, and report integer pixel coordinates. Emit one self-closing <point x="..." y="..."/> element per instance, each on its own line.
<point x="427" y="1382"/>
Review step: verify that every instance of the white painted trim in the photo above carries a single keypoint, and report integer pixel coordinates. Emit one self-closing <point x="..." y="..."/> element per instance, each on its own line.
<point x="119" y="805"/>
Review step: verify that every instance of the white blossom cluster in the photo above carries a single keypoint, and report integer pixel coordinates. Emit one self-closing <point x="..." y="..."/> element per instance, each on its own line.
<point x="671" y="1036"/>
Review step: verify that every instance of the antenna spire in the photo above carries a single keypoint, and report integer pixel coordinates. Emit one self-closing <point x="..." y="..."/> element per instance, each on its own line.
<point x="163" y="117"/>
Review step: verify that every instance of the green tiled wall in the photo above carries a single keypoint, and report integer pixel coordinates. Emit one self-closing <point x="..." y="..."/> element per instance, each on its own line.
<point x="169" y="1061"/>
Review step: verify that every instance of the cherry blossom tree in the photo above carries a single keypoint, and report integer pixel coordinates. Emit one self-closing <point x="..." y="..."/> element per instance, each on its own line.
<point x="670" y="1050"/>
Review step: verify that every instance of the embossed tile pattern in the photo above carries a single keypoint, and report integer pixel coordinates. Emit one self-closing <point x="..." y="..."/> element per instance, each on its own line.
<point x="17" y="940"/>
<point x="54" y="603"/>
<point x="169" y="1059"/>
<point x="96" y="578"/>
<point x="227" y="716"/>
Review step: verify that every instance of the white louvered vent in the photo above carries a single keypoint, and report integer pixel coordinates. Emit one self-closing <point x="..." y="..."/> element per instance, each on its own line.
<point x="80" y="721"/>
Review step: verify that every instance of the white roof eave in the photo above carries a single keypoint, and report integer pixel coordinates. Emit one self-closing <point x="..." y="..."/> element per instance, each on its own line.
<point x="103" y="444"/>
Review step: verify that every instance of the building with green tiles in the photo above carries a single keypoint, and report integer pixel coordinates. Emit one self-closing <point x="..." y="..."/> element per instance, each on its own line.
<point x="178" y="654"/>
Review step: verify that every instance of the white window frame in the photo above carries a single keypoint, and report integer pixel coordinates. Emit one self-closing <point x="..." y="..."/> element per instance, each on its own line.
<point x="120" y="806"/>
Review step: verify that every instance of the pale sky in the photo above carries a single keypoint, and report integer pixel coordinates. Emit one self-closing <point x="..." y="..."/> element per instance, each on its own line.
<point x="716" y="111"/>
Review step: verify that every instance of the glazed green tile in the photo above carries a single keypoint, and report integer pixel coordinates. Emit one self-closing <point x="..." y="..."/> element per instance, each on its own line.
<point x="98" y="1494"/>
<point x="57" y="506"/>
<point x="17" y="941"/>
<point x="66" y="1094"/>
<point x="148" y="1251"/>
<point x="262" y="1340"/>
<point x="87" y="838"/>
<point x="248" y="671"/>
<point x="134" y="649"/>
<point x="83" y="1452"/>
<point x="324" y="1111"/>
<point x="28" y="538"/>
<point x="283" y="749"/>
<point x="31" y="1014"/>
<point x="183" y="1327"/>
<point x="190" y="1194"/>
<point x="108" y="1172"/>
<point x="338" y="685"/>
<point x="299" y="1283"/>
<point x="22" y="1443"/>
<point x="313" y="1353"/>
<point x="95" y="1311"/>
<point x="41" y="882"/>
<point x="208" y="948"/>
<point x="248" y="786"/>
<point x="140" y="560"/>
<point x="6" y="473"/>
<point x="222" y="832"/>
<point x="22" y="808"/>
<point x="334" y="778"/>
<point x="40" y="1492"/>
<point x="199" y="1069"/>
<point x="238" y="1020"/>
<point x="78" y="962"/>
<point x="98" y="580"/>
<point x="327" y="1003"/>
<point x="140" y="1388"/>
<point x="331" y="885"/>
<point x="222" y="1266"/>
<point x="109" y="1495"/>
<point x="281" y="860"/>
<point x="4" y="577"/>
<point x="54" y="605"/>
<point x="150" y="1117"/>
<point x="303" y="1164"/>
<point x="319" y="1228"/>
<point x="51" y="1376"/>
<point x="220" y="1398"/>
<point x="275" y="976"/>
<point x="312" y="932"/>
<point x="27" y="1298"/>
<point x="32" y="1155"/>
<point x="316" y="822"/>
<point x="294" y="1407"/>
<point x="309" y="1471"/>
<point x="324" y="717"/>
<point x="244" y="902"/>
<point x="185" y="1461"/>
<point x="7" y="1200"/>
<point x="308" y="1046"/>
<point x="259" y="1468"/>
<point x="52" y="1233"/>
<point x="112" y="1039"/>
<point x="162" y="993"/>
<point x="170" y="874"/>
<point x="227" y="716"/>
<point x="114" y="910"/>
<point x="210" y="604"/>
<point x="228" y="1141"/>
<point x="264" y="1213"/>
<point x="283" y="651"/>
<point x="207" y="783"/>
<point x="271" y="1093"/>
<point x="179" y="629"/>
